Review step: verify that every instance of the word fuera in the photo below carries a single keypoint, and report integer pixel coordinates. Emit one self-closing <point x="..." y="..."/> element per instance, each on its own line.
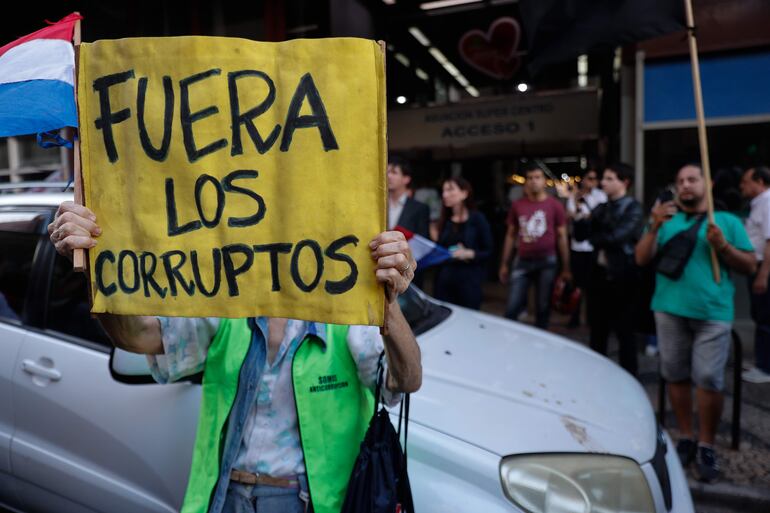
<point x="306" y="91"/>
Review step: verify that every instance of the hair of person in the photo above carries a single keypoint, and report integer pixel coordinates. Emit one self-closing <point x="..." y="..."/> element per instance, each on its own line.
<point x="688" y="164"/>
<point x="624" y="172"/>
<point x="530" y="167"/>
<point x="727" y="177"/>
<point x="761" y="174"/>
<point x="593" y="165"/>
<point x="403" y="163"/>
<point x="725" y="188"/>
<point x="469" y="202"/>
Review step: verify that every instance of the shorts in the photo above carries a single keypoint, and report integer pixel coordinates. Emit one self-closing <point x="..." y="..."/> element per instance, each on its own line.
<point x="692" y="349"/>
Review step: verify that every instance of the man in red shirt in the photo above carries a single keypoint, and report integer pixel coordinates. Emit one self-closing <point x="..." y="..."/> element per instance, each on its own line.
<point x="537" y="230"/>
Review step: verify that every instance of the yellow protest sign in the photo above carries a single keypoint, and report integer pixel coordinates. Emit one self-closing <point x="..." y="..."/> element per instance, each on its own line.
<point x="234" y="178"/>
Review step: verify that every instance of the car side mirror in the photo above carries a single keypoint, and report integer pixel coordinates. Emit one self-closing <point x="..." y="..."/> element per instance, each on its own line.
<point x="130" y="368"/>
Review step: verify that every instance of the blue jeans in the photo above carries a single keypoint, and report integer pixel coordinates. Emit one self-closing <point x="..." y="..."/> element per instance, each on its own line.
<point x="267" y="499"/>
<point x="542" y="273"/>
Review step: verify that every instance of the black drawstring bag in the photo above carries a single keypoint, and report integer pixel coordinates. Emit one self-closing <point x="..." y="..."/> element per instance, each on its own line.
<point x="379" y="482"/>
<point x="673" y="256"/>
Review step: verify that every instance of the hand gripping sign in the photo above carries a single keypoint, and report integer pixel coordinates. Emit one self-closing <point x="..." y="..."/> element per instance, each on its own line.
<point x="233" y="178"/>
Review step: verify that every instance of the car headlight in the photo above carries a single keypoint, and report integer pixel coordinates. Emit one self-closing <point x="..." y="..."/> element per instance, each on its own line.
<point x="576" y="483"/>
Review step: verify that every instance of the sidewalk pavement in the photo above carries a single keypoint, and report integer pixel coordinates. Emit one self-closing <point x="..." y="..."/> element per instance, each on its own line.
<point x="745" y="485"/>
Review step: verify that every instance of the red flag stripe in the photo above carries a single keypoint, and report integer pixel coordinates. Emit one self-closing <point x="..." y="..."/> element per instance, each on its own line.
<point x="403" y="230"/>
<point x="62" y="29"/>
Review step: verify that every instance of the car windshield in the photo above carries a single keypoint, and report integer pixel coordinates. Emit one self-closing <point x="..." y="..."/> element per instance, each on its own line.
<point x="421" y="313"/>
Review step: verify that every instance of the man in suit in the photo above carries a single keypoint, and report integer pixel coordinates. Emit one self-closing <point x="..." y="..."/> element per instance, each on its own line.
<point x="403" y="210"/>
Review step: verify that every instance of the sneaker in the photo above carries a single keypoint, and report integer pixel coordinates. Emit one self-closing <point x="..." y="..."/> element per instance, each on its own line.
<point x="755" y="375"/>
<point x="707" y="466"/>
<point x="686" y="449"/>
<point x="651" y="350"/>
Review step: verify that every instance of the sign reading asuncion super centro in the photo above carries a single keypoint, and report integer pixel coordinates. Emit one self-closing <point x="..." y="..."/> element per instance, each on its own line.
<point x="233" y="178"/>
<point x="516" y="118"/>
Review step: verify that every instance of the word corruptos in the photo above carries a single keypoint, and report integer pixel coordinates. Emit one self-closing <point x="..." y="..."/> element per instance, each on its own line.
<point x="134" y="272"/>
<point x="305" y="92"/>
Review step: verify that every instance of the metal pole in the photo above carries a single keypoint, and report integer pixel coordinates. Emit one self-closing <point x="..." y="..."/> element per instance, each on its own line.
<point x="737" y="389"/>
<point x="639" y="122"/>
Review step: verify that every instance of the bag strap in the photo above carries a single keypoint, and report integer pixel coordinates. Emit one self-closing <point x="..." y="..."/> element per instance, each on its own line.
<point x="403" y="417"/>
<point x="694" y="228"/>
<point x="403" y="414"/>
<point x="689" y="233"/>
<point x="378" y="387"/>
<point x="405" y="493"/>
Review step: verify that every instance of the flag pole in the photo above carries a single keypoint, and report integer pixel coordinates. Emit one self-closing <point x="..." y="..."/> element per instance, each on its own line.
<point x="703" y="142"/>
<point x="79" y="255"/>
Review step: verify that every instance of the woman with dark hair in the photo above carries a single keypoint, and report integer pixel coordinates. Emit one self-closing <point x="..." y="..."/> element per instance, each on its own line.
<point x="466" y="233"/>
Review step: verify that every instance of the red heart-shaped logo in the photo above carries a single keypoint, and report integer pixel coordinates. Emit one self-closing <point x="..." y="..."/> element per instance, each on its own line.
<point x="493" y="53"/>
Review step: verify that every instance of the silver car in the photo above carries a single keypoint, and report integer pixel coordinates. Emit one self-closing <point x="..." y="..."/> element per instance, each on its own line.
<point x="509" y="418"/>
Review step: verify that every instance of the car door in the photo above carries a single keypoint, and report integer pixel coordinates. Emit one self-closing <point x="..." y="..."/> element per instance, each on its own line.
<point x="20" y="237"/>
<point x="85" y="442"/>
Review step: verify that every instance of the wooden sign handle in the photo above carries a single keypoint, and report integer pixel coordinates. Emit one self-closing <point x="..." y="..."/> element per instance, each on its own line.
<point x="79" y="255"/>
<point x="384" y="328"/>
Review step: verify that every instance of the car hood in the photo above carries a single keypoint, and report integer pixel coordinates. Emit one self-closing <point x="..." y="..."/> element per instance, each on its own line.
<point x="513" y="389"/>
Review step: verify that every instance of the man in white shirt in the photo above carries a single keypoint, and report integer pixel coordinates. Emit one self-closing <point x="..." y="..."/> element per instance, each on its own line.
<point x="755" y="185"/>
<point x="580" y="203"/>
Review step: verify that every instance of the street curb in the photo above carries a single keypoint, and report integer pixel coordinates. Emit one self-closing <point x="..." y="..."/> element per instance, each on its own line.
<point x="738" y="498"/>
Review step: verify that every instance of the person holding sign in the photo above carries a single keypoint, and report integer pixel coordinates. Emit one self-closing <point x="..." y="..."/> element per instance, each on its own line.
<point x="694" y="313"/>
<point x="285" y="402"/>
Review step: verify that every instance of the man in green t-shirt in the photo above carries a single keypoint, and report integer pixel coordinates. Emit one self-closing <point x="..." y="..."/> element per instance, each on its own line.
<point x="694" y="314"/>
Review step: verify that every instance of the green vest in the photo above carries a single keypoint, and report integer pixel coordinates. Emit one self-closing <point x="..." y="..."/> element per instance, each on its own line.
<point x="333" y="412"/>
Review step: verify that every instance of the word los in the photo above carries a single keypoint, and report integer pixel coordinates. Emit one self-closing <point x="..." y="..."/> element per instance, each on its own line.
<point x="132" y="271"/>
<point x="306" y="91"/>
<point x="226" y="185"/>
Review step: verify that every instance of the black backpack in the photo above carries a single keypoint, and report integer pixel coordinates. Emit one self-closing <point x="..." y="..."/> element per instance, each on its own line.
<point x="379" y="482"/>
